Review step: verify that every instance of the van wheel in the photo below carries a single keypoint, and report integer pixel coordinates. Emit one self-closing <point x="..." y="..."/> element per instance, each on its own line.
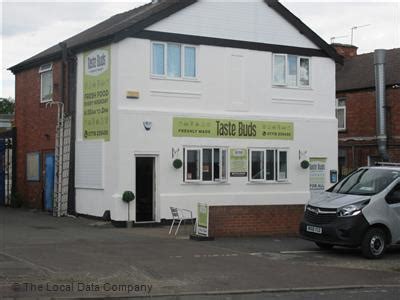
<point x="374" y="243"/>
<point x="324" y="246"/>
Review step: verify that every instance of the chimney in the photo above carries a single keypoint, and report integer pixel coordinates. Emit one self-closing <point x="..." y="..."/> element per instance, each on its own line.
<point x="345" y="50"/>
<point x="380" y="89"/>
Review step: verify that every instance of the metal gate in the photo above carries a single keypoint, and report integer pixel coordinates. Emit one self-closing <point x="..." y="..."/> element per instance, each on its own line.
<point x="7" y="165"/>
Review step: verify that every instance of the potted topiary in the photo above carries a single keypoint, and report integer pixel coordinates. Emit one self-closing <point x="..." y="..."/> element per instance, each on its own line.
<point x="177" y="163"/>
<point x="127" y="197"/>
<point x="305" y="164"/>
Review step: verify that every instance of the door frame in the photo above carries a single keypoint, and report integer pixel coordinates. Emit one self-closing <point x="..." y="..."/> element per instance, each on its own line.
<point x="156" y="211"/>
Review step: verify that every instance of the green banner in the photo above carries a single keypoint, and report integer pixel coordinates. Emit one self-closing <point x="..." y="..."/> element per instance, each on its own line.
<point x="238" y="162"/>
<point x="96" y="94"/>
<point x="232" y="129"/>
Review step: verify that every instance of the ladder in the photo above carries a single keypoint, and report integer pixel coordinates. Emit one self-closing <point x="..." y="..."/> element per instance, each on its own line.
<point x="62" y="162"/>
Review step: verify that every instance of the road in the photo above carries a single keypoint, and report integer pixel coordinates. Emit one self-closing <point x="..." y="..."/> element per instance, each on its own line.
<point x="93" y="258"/>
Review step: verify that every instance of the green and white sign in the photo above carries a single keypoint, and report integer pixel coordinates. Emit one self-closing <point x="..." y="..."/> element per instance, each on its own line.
<point x="317" y="174"/>
<point x="202" y="219"/>
<point x="238" y="162"/>
<point x="96" y="94"/>
<point x="232" y="129"/>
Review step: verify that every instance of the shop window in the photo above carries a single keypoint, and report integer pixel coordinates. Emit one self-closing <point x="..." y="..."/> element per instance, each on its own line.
<point x="205" y="164"/>
<point x="291" y="70"/>
<point x="46" y="82"/>
<point x="33" y="166"/>
<point x="193" y="165"/>
<point x="269" y="165"/>
<point x="257" y="165"/>
<point x="341" y="113"/>
<point x="172" y="60"/>
<point x="283" y="165"/>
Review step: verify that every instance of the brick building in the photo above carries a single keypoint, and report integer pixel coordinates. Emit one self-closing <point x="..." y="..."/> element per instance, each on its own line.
<point x="223" y="114"/>
<point x="356" y="108"/>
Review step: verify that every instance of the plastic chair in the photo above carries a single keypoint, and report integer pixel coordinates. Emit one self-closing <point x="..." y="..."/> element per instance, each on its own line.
<point x="179" y="215"/>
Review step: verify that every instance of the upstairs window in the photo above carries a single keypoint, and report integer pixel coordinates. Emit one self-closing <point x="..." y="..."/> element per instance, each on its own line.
<point x="269" y="165"/>
<point x="171" y="60"/>
<point x="205" y="165"/>
<point x="291" y="70"/>
<point x="46" y="82"/>
<point x="341" y="113"/>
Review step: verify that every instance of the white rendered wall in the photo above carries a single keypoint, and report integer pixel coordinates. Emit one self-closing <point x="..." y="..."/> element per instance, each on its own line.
<point x="311" y="110"/>
<point x="251" y="20"/>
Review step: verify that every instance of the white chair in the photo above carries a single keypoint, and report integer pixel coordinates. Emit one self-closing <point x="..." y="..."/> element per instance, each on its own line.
<point x="180" y="215"/>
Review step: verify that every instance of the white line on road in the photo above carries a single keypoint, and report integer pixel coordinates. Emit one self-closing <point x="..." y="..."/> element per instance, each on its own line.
<point x="42" y="268"/>
<point x="300" y="251"/>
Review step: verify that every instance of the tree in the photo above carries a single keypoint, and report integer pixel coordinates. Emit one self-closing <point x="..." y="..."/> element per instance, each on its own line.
<point x="7" y="106"/>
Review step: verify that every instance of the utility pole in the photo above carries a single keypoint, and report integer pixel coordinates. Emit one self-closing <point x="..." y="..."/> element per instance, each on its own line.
<point x="354" y="28"/>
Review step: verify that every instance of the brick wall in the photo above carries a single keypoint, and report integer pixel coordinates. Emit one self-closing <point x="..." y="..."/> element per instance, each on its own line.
<point x="345" y="50"/>
<point x="359" y="140"/>
<point x="255" y="220"/>
<point x="36" y="127"/>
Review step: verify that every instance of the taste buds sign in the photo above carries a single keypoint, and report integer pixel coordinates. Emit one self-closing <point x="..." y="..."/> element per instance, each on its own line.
<point x="97" y="62"/>
<point x="96" y="94"/>
<point x="232" y="129"/>
<point x="240" y="128"/>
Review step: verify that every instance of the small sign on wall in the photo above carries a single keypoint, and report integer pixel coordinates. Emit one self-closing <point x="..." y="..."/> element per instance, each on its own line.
<point x="317" y="174"/>
<point x="238" y="162"/>
<point x="202" y="219"/>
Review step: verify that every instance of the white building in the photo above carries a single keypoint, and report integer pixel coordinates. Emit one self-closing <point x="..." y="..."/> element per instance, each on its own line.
<point x="240" y="92"/>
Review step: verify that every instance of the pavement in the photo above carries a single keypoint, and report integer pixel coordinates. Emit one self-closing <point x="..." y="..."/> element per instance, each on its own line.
<point x="43" y="256"/>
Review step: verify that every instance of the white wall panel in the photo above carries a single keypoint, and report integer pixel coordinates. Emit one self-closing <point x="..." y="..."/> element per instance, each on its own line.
<point x="237" y="20"/>
<point x="89" y="165"/>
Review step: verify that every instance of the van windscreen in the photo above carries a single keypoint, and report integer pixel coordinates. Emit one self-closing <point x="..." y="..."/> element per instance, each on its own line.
<point x="366" y="182"/>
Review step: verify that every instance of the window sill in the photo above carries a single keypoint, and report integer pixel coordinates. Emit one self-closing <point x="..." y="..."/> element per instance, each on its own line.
<point x="185" y="79"/>
<point x="268" y="182"/>
<point x="46" y="101"/>
<point x="342" y="130"/>
<point x="306" y="88"/>
<point x="204" y="183"/>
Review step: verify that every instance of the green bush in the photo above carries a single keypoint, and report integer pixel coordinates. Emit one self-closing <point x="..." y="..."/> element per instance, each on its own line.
<point x="128" y="196"/>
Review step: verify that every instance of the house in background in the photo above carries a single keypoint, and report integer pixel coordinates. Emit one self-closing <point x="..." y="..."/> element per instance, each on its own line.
<point x="368" y="132"/>
<point x="185" y="102"/>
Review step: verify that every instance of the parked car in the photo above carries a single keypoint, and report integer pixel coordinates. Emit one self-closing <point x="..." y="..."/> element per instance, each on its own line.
<point x="362" y="210"/>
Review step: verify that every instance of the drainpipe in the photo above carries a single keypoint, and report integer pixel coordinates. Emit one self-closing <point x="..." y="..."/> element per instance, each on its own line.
<point x="63" y="47"/>
<point x="380" y="88"/>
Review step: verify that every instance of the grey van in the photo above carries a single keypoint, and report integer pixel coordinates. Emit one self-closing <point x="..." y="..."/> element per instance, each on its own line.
<point x="362" y="210"/>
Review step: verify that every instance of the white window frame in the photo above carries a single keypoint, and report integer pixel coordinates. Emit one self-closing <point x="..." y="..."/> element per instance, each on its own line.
<point x="182" y="47"/>
<point x="43" y="70"/>
<point x="275" y="162"/>
<point x="287" y="71"/>
<point x="213" y="180"/>
<point x="277" y="152"/>
<point x="298" y="71"/>
<point x="278" y="177"/>
<point x="200" y="164"/>
<point x="341" y="107"/>
<point x="273" y="69"/>
<point x="251" y="150"/>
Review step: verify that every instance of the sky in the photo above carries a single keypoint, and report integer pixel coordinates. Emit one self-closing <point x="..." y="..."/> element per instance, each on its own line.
<point x="29" y="27"/>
